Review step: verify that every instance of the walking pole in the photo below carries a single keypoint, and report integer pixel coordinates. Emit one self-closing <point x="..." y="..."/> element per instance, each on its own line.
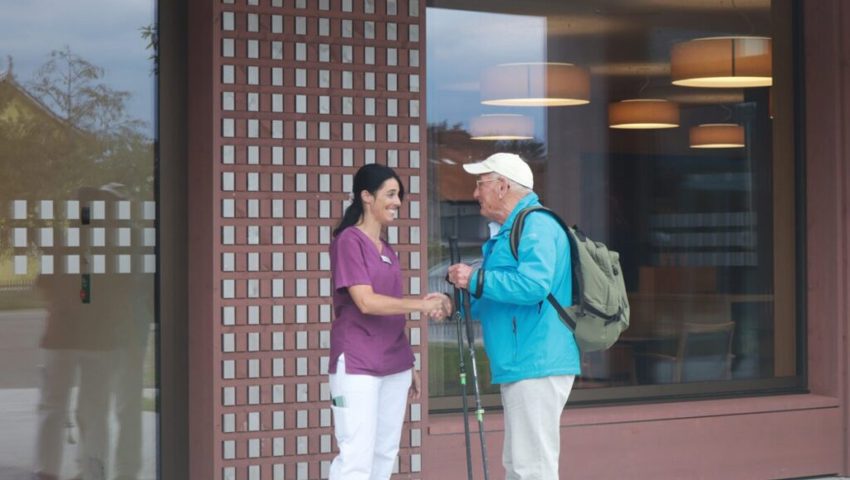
<point x="455" y="258"/>
<point x="470" y="339"/>
<point x="479" y="410"/>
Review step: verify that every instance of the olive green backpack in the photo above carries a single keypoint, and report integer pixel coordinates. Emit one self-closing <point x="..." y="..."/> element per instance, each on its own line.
<point x="600" y="307"/>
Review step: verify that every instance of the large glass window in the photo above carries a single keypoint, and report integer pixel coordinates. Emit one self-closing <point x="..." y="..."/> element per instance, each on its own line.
<point x="665" y="130"/>
<point x="78" y="386"/>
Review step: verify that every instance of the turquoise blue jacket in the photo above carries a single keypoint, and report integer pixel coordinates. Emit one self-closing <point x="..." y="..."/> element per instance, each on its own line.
<point x="523" y="336"/>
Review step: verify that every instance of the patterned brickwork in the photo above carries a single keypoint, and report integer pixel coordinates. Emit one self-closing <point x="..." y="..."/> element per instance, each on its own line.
<point x="307" y="92"/>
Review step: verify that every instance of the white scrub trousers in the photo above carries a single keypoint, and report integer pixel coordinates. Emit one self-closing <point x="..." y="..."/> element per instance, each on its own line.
<point x="368" y="416"/>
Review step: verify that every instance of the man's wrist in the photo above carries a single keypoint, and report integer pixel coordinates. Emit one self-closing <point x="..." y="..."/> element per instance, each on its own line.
<point x="478" y="290"/>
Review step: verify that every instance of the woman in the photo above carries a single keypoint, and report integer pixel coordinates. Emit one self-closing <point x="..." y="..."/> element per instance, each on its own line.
<point x="371" y="364"/>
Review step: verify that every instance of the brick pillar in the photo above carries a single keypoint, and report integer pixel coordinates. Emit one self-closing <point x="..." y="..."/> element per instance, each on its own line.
<point x="303" y="93"/>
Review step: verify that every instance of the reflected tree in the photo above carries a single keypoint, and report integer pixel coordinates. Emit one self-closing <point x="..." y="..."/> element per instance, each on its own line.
<point x="67" y="128"/>
<point x="531" y="150"/>
<point x="455" y="143"/>
<point x="73" y="88"/>
<point x="150" y="33"/>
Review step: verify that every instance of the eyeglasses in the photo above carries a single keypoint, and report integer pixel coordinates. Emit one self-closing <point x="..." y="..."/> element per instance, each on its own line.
<point x="479" y="182"/>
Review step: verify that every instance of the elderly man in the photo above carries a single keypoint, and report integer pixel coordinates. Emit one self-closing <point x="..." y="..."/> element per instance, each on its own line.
<point x="533" y="355"/>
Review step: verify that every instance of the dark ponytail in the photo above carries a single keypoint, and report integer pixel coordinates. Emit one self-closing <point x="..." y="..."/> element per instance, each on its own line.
<point x="370" y="178"/>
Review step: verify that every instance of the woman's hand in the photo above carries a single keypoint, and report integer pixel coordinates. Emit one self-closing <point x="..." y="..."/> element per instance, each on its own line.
<point x="432" y="305"/>
<point x="445" y="309"/>
<point x="415" y="387"/>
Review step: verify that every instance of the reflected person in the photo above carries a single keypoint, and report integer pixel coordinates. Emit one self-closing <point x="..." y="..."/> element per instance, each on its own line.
<point x="96" y="346"/>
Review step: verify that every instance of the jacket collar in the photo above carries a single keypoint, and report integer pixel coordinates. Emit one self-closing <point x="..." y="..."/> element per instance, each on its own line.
<point x="530" y="199"/>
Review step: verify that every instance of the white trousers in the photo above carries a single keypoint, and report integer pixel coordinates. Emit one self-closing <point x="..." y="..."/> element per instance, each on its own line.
<point x="61" y="372"/>
<point x="532" y="410"/>
<point x="368" y="424"/>
<point x="127" y="366"/>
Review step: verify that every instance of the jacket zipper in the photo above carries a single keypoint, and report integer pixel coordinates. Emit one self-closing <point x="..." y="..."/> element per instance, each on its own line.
<point x="516" y="340"/>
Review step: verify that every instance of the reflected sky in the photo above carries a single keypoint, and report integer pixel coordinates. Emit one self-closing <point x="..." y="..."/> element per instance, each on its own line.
<point x="103" y="32"/>
<point x="461" y="45"/>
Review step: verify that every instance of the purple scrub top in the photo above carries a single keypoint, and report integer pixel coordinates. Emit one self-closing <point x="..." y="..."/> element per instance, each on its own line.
<point x="372" y="344"/>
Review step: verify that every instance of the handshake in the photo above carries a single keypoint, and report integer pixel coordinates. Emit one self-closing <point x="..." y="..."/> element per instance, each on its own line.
<point x="439" y="305"/>
<point x="436" y="305"/>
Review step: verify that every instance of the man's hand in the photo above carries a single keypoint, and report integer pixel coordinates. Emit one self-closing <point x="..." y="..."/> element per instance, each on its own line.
<point x="459" y="275"/>
<point x="448" y="307"/>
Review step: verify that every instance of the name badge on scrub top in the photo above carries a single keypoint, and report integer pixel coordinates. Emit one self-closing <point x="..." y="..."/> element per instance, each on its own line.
<point x="386" y="259"/>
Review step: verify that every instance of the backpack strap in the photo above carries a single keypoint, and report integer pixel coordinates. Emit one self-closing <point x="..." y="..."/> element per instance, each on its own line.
<point x="561" y="312"/>
<point x="519" y="222"/>
<point x="516" y="232"/>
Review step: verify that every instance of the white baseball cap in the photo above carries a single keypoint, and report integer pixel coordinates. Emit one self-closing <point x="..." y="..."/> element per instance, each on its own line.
<point x="508" y="165"/>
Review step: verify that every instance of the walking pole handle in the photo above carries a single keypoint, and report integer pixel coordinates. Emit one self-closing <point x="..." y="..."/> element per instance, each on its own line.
<point x="454" y="254"/>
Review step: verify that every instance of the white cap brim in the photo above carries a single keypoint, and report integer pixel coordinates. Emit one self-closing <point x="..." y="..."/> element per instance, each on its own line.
<point x="477" y="168"/>
<point x="508" y="165"/>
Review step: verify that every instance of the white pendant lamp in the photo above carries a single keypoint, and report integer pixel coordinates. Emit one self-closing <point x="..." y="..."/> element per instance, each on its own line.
<point x="723" y="62"/>
<point x="501" y="127"/>
<point x="717" y="135"/>
<point x="643" y="113"/>
<point x="535" y="85"/>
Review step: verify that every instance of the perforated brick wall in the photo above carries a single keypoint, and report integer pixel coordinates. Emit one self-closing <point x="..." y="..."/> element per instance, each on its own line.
<point x="307" y="92"/>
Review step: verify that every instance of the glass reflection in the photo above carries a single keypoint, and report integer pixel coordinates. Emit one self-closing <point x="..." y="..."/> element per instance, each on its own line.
<point x="704" y="247"/>
<point x="454" y="104"/>
<point x="78" y="382"/>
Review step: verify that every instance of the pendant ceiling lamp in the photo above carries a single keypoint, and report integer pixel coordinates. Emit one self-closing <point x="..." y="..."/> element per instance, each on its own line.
<point x="723" y="62"/>
<point x="643" y="114"/>
<point x="535" y="85"/>
<point x="717" y="135"/>
<point x="501" y="127"/>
